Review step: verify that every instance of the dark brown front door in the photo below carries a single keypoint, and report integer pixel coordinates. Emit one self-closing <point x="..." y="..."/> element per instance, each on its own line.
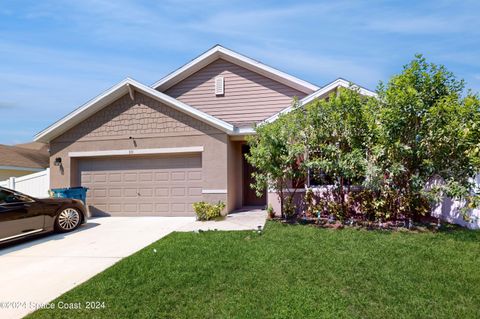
<point x="250" y="197"/>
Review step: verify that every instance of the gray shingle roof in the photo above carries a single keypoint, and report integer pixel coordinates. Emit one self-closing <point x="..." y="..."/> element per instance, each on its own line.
<point x="30" y="155"/>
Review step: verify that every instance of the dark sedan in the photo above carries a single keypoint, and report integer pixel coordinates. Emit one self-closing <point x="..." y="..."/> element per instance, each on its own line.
<point x="22" y="215"/>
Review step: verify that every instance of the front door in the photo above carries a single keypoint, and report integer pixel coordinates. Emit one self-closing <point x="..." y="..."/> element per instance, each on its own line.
<point x="250" y="197"/>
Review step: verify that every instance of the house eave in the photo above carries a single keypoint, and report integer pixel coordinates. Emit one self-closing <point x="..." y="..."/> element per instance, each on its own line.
<point x="324" y="90"/>
<point x="243" y="131"/>
<point x="125" y="87"/>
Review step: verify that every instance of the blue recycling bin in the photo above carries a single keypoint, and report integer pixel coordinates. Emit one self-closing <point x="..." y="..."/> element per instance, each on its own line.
<point x="71" y="192"/>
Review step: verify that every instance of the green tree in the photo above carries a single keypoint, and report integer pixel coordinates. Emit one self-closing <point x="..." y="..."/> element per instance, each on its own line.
<point x="428" y="128"/>
<point x="276" y="151"/>
<point x="422" y="128"/>
<point x="338" y="132"/>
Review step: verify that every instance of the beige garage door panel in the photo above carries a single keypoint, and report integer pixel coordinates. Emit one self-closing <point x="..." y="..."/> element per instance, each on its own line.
<point x="160" y="186"/>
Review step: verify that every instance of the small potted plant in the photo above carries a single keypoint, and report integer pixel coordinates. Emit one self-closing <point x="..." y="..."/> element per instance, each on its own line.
<point x="270" y="212"/>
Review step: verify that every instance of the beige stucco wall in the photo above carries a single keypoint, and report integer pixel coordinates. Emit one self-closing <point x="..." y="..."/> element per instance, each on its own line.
<point x="274" y="200"/>
<point x="152" y="125"/>
<point x="235" y="174"/>
<point x="5" y="174"/>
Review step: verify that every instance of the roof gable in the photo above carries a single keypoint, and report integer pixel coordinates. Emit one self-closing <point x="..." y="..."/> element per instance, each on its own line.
<point x="248" y="97"/>
<point x="323" y="92"/>
<point x="139" y="117"/>
<point x="219" y="52"/>
<point x="127" y="86"/>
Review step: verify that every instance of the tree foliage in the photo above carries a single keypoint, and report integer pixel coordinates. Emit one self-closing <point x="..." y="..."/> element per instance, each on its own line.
<point x="417" y="141"/>
<point x="426" y="131"/>
<point x="276" y="151"/>
<point x="338" y="133"/>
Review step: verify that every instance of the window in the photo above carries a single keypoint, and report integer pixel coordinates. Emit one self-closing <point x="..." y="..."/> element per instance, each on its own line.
<point x="4" y="196"/>
<point x="319" y="178"/>
<point x="8" y="197"/>
<point x="298" y="183"/>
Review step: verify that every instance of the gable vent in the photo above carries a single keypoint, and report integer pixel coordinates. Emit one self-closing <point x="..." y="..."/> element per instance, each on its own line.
<point x="219" y="86"/>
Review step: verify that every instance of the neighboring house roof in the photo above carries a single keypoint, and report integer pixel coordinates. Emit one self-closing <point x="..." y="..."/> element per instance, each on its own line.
<point x="37" y="146"/>
<point x="127" y="86"/>
<point x="31" y="156"/>
<point x="219" y="52"/>
<point x="322" y="92"/>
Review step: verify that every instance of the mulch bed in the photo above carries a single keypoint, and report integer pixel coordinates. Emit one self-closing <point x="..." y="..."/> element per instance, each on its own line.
<point x="425" y="224"/>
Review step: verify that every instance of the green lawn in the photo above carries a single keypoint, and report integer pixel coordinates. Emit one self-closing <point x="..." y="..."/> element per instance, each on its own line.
<point x="290" y="272"/>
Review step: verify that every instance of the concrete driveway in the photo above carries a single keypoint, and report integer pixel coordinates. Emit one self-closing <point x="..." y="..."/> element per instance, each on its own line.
<point x="37" y="271"/>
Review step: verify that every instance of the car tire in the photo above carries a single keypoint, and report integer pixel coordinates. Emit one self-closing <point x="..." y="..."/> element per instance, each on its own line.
<point x="68" y="219"/>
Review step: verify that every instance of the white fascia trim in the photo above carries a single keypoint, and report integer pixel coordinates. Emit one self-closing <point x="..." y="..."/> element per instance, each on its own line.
<point x="114" y="93"/>
<point x="244" y="131"/>
<point x="187" y="69"/>
<point x="327" y="88"/>
<point x="214" y="191"/>
<point x="19" y="168"/>
<point x="220" y="52"/>
<point x="40" y="137"/>
<point x="347" y="84"/>
<point x="146" y="151"/>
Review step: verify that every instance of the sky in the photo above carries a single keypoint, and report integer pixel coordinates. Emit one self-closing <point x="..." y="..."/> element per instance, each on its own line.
<point x="57" y="55"/>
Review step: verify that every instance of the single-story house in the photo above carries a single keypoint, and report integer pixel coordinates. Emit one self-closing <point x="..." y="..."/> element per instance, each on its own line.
<point x="23" y="159"/>
<point x="155" y="150"/>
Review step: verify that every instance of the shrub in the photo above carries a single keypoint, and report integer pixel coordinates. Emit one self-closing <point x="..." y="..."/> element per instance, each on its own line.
<point x="390" y="157"/>
<point x="270" y="212"/>
<point x="208" y="211"/>
<point x="276" y="151"/>
<point x="311" y="206"/>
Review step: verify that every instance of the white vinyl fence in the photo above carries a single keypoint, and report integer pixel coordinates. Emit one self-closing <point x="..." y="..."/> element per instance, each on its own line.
<point x="451" y="210"/>
<point x="36" y="184"/>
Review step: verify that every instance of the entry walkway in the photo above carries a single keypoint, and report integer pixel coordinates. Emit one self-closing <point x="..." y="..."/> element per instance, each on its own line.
<point x="245" y="219"/>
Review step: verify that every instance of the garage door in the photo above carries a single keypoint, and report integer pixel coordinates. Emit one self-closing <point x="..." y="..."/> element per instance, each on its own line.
<point x="159" y="186"/>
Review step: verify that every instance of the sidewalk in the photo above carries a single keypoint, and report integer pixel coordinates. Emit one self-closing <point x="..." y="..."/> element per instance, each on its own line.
<point x="246" y="219"/>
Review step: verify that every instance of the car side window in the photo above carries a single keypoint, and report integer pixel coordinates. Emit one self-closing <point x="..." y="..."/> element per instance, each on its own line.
<point x="7" y="197"/>
<point x="4" y="195"/>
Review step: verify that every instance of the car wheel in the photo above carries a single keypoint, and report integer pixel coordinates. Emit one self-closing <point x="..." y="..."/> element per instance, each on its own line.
<point x="68" y="219"/>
